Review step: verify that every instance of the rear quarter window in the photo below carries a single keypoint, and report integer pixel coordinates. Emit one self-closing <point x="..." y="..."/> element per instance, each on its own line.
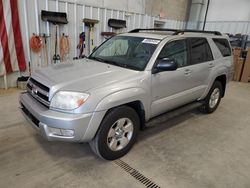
<point x="223" y="46"/>
<point x="200" y="50"/>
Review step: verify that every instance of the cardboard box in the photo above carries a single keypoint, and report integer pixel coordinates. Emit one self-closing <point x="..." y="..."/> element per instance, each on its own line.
<point x="239" y="64"/>
<point x="237" y="51"/>
<point x="246" y="69"/>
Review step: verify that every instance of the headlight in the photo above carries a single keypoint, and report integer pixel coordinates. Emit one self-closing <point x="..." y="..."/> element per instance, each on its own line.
<point x="67" y="100"/>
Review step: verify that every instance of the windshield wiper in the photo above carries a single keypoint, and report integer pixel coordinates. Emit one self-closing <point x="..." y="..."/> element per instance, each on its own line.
<point x="97" y="59"/>
<point x="114" y="63"/>
<point x="105" y="61"/>
<point x="129" y="66"/>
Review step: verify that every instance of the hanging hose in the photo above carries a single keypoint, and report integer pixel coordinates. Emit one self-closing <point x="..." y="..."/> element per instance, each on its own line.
<point x="36" y="43"/>
<point x="64" y="46"/>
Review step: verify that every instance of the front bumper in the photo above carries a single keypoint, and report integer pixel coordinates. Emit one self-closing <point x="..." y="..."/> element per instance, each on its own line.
<point x="43" y="119"/>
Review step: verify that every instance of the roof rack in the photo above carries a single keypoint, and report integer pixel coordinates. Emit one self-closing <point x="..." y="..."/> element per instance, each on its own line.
<point x="152" y="29"/>
<point x="196" y="31"/>
<point x="176" y="31"/>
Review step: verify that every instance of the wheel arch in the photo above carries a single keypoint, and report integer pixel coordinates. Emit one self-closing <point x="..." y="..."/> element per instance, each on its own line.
<point x="223" y="80"/>
<point x="136" y="98"/>
<point x="139" y="109"/>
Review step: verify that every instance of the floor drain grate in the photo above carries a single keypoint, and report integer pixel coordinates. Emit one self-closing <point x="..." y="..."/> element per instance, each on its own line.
<point x="137" y="175"/>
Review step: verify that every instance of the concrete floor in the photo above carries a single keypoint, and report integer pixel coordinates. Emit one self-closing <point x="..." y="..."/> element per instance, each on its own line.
<point x="191" y="150"/>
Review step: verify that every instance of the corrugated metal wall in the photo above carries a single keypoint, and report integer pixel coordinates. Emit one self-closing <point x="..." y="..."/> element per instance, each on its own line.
<point x="30" y="19"/>
<point x="232" y="27"/>
<point x="31" y="23"/>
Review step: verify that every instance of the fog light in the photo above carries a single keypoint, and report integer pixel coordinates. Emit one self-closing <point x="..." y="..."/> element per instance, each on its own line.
<point x="61" y="132"/>
<point x="55" y="131"/>
<point x="67" y="132"/>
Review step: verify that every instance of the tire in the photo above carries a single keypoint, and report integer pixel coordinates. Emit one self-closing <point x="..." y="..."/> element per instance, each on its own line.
<point x="115" y="136"/>
<point x="213" y="98"/>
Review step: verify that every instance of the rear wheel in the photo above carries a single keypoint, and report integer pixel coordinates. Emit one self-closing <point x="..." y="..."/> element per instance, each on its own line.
<point x="117" y="133"/>
<point x="213" y="98"/>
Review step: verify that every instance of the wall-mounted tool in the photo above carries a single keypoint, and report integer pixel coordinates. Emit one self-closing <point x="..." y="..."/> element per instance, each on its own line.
<point x="81" y="45"/>
<point x="56" y="18"/>
<point x="115" y="24"/>
<point x="36" y="44"/>
<point x="108" y="35"/>
<point x="45" y="46"/>
<point x="90" y="23"/>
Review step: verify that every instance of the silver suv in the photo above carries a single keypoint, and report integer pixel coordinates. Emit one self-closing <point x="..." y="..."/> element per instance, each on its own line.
<point x="106" y="99"/>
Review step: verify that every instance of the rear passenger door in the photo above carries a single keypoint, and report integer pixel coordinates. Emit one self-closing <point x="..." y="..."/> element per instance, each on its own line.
<point x="202" y="63"/>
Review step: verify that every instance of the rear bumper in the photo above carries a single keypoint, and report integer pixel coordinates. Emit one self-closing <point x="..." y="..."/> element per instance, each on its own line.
<point x="45" y="121"/>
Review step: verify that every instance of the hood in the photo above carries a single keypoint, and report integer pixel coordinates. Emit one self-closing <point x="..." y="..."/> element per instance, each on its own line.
<point x="82" y="75"/>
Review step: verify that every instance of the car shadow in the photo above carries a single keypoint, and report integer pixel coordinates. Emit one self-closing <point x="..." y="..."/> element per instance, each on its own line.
<point x="166" y="121"/>
<point x="66" y="149"/>
<point x="83" y="151"/>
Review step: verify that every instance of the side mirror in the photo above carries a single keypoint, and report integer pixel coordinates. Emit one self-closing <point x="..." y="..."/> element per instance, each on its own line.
<point x="165" y="64"/>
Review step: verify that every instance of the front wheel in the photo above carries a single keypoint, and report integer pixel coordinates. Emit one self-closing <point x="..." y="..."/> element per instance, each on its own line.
<point x="213" y="98"/>
<point x="117" y="133"/>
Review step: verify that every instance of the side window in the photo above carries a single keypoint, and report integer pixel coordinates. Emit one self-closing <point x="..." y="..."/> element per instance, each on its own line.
<point x="200" y="50"/>
<point x="223" y="46"/>
<point x="177" y="50"/>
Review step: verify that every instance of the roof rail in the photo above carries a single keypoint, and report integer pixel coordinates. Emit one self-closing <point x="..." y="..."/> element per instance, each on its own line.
<point x="196" y="31"/>
<point x="176" y="31"/>
<point x="152" y="29"/>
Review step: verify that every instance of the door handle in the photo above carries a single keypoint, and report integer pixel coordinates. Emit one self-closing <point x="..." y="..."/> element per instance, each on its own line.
<point x="187" y="71"/>
<point x="211" y="65"/>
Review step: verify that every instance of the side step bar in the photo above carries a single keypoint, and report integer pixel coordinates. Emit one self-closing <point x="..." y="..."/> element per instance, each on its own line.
<point x="173" y="113"/>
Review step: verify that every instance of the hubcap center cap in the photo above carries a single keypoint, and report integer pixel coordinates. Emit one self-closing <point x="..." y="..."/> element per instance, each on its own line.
<point x="119" y="133"/>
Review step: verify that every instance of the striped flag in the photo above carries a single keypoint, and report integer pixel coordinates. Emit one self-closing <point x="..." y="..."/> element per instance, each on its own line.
<point x="11" y="47"/>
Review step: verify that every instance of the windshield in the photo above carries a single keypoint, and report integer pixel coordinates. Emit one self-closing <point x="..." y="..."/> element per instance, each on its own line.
<point x="128" y="52"/>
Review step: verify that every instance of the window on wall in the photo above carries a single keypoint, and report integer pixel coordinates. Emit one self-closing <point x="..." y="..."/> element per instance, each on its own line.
<point x="176" y="50"/>
<point x="223" y="46"/>
<point x="200" y="51"/>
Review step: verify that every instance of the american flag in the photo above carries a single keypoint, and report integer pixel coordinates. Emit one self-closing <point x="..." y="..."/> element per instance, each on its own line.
<point x="12" y="56"/>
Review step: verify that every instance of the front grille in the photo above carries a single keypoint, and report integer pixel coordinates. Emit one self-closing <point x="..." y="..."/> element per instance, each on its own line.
<point x="43" y="87"/>
<point x="39" y="91"/>
<point x="30" y="116"/>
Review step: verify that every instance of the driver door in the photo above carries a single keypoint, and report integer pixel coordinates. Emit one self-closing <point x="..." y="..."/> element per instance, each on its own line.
<point x="171" y="89"/>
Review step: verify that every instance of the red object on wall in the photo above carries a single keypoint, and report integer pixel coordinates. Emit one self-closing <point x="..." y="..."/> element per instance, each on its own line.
<point x="12" y="56"/>
<point x="162" y="14"/>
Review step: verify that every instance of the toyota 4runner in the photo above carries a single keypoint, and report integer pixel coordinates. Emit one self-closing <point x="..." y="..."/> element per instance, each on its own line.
<point x="106" y="99"/>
